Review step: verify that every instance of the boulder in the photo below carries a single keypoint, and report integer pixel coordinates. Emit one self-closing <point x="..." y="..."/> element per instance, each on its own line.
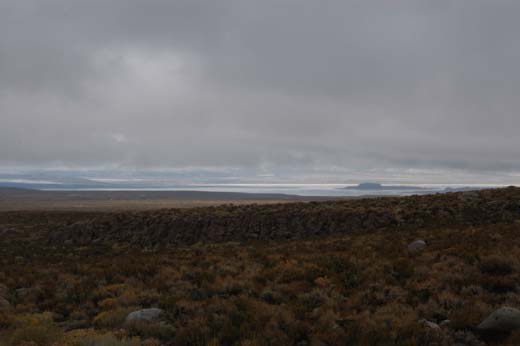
<point x="416" y="245"/>
<point x="145" y="315"/>
<point x="504" y="319"/>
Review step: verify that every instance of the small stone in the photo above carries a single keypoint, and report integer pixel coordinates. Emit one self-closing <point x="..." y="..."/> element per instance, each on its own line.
<point x="504" y="319"/>
<point x="416" y="245"/>
<point x="429" y="324"/>
<point x="145" y="315"/>
<point x="445" y="323"/>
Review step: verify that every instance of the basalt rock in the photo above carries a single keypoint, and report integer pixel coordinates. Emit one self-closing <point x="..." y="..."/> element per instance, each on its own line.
<point x="505" y="319"/>
<point x="416" y="245"/>
<point x="145" y="315"/>
<point x="174" y="227"/>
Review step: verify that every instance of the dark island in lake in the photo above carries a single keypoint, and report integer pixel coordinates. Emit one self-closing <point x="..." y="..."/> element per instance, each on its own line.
<point x="380" y="187"/>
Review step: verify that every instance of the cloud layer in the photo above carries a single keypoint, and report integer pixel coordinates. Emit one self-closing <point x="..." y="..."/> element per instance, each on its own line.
<point x="294" y="85"/>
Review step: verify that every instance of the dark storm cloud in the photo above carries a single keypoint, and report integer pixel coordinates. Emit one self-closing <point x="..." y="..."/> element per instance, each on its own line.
<point x="305" y="85"/>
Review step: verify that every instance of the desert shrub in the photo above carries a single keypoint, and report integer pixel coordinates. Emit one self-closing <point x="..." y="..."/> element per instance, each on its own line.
<point x="280" y="327"/>
<point x="110" y="291"/>
<point x="151" y="330"/>
<point x="271" y="296"/>
<point x="108" y="340"/>
<point x="514" y="339"/>
<point x="38" y="330"/>
<point x="402" y="269"/>
<point x="168" y="303"/>
<point x="195" y="333"/>
<point x="116" y="290"/>
<point x="326" y="331"/>
<point x="312" y="300"/>
<point x="259" y="280"/>
<point x="289" y="272"/>
<point x="111" y="318"/>
<point x="199" y="277"/>
<point x="448" y="300"/>
<point x="496" y="265"/>
<point x="229" y="333"/>
<point x="374" y="295"/>
<point x="469" y="315"/>
<point x="259" y="256"/>
<point x="165" y="278"/>
<point x="5" y="320"/>
<point x="108" y="303"/>
<point x="129" y="297"/>
<point x="498" y="284"/>
<point x="366" y="334"/>
<point x="348" y="272"/>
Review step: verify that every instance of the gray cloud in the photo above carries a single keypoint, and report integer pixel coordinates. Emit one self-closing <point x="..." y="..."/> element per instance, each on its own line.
<point x="262" y="85"/>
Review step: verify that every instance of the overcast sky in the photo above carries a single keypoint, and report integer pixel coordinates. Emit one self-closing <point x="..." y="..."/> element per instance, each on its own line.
<point x="263" y="86"/>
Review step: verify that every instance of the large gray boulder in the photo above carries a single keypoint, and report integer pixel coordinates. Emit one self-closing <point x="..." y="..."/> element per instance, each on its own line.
<point x="145" y="315"/>
<point x="416" y="245"/>
<point x="504" y="319"/>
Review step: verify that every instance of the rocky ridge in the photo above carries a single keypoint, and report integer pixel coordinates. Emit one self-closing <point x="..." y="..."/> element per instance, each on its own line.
<point x="174" y="227"/>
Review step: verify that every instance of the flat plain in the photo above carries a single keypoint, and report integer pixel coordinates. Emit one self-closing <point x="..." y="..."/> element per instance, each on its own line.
<point x="26" y="199"/>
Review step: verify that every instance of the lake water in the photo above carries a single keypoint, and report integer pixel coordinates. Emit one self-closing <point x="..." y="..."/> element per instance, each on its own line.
<point x="296" y="189"/>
